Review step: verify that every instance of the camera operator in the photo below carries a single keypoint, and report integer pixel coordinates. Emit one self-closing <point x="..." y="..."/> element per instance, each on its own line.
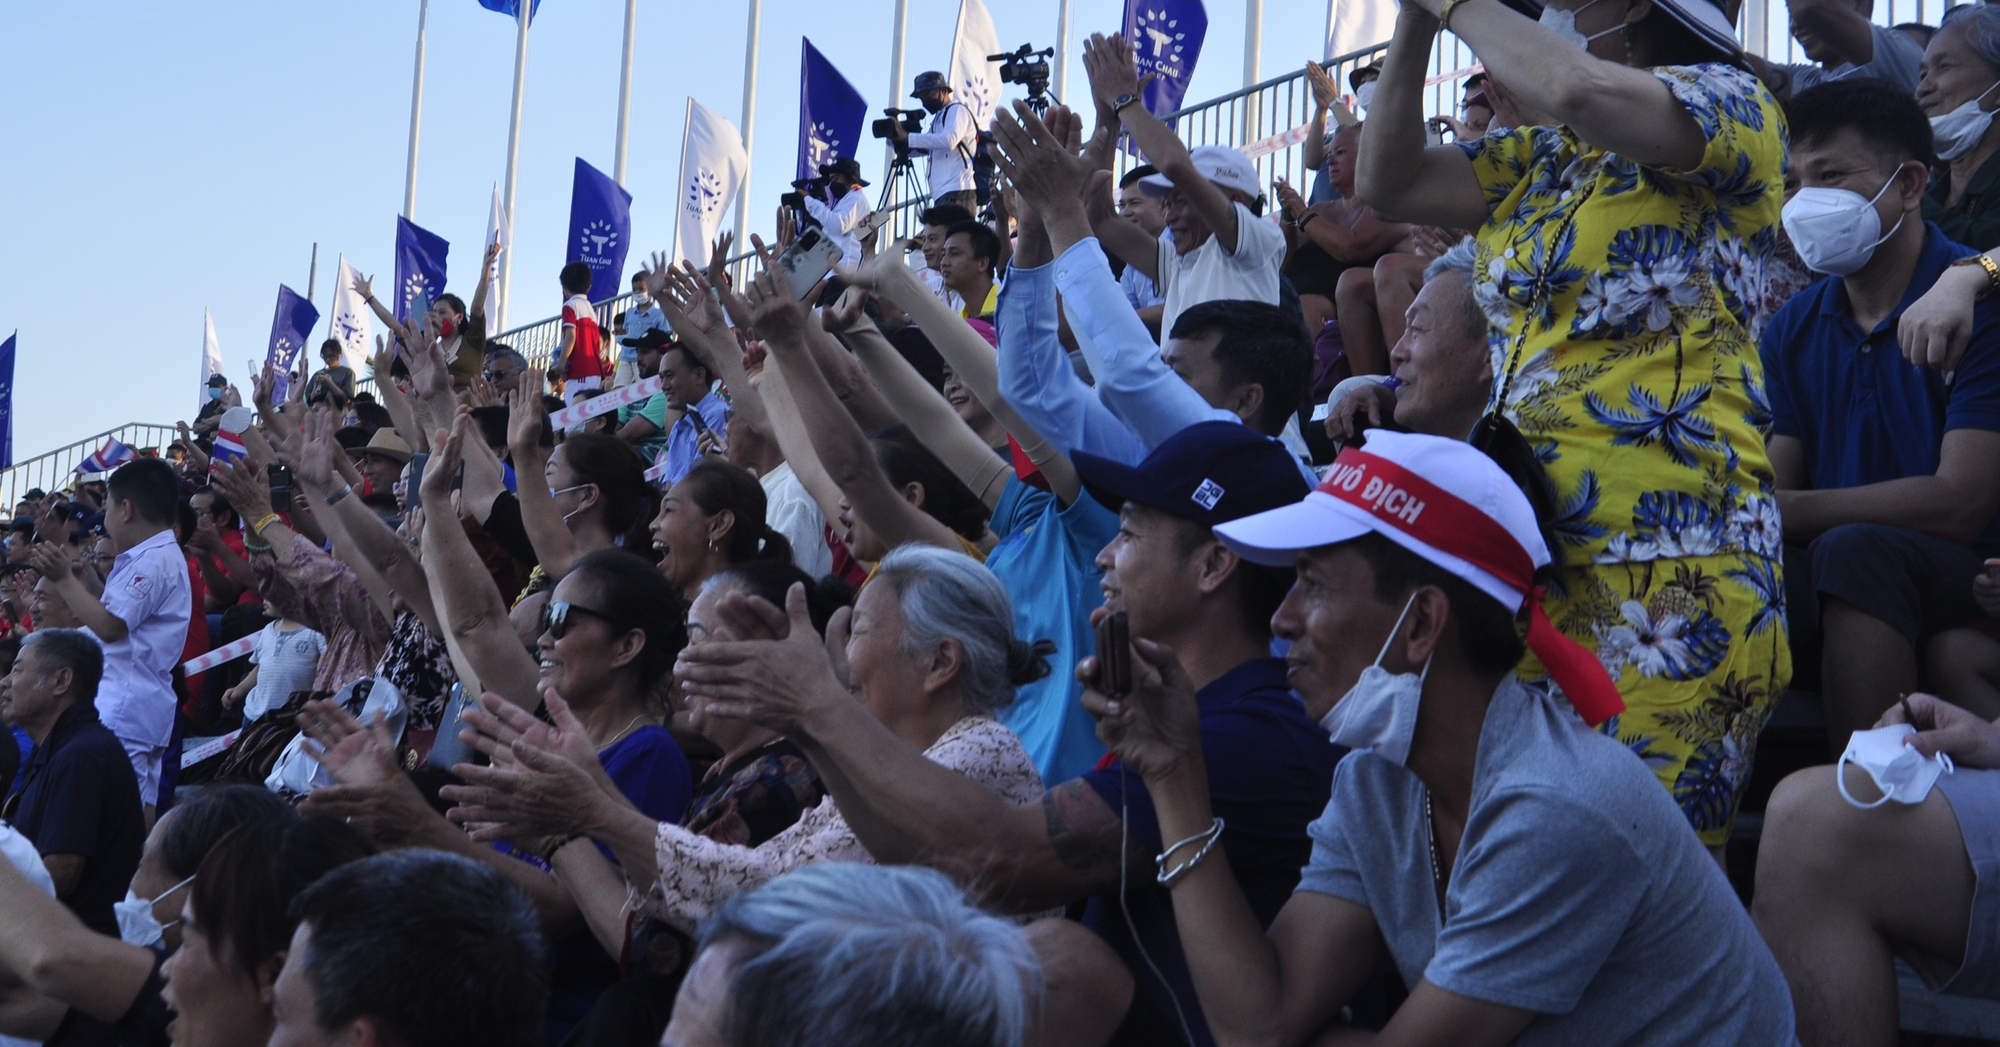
<point x="850" y="206"/>
<point x="948" y="144"/>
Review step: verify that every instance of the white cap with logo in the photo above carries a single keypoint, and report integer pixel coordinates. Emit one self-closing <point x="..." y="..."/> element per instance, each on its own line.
<point x="1220" y="164"/>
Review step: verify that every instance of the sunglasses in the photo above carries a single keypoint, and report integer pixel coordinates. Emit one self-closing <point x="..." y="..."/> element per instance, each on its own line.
<point x="556" y="617"/>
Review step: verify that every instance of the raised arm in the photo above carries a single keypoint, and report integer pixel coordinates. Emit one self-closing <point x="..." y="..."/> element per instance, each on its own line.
<point x="1108" y="60"/>
<point x="364" y="287"/>
<point x="469" y="606"/>
<point x="789" y="430"/>
<point x="926" y="410"/>
<point x="360" y="536"/>
<point x="1395" y="172"/>
<point x="843" y="447"/>
<point x="477" y="310"/>
<point x="527" y="419"/>
<point x="692" y="309"/>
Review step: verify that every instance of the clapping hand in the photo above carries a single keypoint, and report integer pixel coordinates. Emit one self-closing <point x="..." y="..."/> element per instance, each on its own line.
<point x="772" y="671"/>
<point x="312" y="461"/>
<point x="527" y="416"/>
<point x="778" y="316"/>
<point x="244" y="487"/>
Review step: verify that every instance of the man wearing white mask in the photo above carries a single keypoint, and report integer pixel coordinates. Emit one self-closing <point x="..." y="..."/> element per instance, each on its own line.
<point x="1960" y="92"/>
<point x="1527" y="875"/>
<point x="1888" y="477"/>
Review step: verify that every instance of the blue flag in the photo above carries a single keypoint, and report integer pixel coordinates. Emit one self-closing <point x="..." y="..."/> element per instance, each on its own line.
<point x="600" y="229"/>
<point x="419" y="267"/>
<point x="1166" y="38"/>
<point x="7" y="402"/>
<point x="512" y="8"/>
<point x="290" y="328"/>
<point x="831" y="112"/>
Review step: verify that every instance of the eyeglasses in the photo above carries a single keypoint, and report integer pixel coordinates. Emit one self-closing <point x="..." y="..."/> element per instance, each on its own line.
<point x="556" y="617"/>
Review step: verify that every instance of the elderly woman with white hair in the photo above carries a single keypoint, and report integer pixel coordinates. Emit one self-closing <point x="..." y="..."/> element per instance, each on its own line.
<point x="846" y="955"/>
<point x="931" y="653"/>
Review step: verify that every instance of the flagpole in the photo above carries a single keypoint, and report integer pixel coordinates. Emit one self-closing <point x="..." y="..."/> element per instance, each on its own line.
<point x="749" y="118"/>
<point x="523" y="15"/>
<point x="625" y="92"/>
<point x="1253" y="38"/>
<point x="1060" y="81"/>
<point x="416" y="116"/>
<point x="898" y="37"/>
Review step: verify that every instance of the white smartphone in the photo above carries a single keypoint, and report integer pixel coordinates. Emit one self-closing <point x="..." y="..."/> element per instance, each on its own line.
<point x="808" y="261"/>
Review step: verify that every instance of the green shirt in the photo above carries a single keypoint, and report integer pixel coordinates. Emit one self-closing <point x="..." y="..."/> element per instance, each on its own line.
<point x="1975" y="220"/>
<point x="654" y="410"/>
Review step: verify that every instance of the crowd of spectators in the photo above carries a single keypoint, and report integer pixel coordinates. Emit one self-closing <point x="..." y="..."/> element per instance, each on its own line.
<point x="1434" y="542"/>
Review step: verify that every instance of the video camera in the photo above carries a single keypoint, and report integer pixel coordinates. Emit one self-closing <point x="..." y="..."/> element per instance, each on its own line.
<point x="912" y="120"/>
<point x="801" y="188"/>
<point x="1027" y="67"/>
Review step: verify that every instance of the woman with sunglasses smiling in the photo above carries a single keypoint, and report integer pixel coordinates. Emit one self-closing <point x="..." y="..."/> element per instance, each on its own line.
<point x="609" y="636"/>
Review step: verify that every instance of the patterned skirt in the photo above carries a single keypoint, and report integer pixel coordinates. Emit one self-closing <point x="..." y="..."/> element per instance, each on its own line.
<point x="1698" y="649"/>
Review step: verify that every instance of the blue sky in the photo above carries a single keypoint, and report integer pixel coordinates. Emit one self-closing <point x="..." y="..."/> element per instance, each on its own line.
<point x="163" y="158"/>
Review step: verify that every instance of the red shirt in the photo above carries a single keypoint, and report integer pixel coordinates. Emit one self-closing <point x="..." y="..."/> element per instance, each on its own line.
<point x="586" y="356"/>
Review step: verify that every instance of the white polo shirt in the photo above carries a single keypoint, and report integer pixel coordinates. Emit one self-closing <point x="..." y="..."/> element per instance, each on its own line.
<point x="1209" y="273"/>
<point x="148" y="590"/>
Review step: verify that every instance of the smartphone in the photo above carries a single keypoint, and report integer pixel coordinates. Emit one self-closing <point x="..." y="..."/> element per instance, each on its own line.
<point x="807" y="261"/>
<point x="412" y="496"/>
<point x="700" y="423"/>
<point x="281" y="485"/>
<point x="1114" y="655"/>
<point x="1433" y="134"/>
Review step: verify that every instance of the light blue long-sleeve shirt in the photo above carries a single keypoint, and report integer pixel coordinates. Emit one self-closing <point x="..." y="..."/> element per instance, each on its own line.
<point x="1036" y="377"/>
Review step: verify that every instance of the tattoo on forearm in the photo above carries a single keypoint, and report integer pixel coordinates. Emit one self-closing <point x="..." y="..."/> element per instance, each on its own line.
<point x="1082" y="829"/>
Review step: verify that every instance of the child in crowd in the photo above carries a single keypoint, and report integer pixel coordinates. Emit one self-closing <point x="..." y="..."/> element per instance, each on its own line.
<point x="580" y="361"/>
<point x="334" y="383"/>
<point x="284" y="659"/>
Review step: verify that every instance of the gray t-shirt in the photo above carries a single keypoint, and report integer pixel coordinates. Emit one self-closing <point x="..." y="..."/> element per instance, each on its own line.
<point x="1579" y="890"/>
<point x="1897" y="59"/>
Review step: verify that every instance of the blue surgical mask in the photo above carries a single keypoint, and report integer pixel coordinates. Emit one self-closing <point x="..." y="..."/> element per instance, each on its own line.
<point x="215" y="392"/>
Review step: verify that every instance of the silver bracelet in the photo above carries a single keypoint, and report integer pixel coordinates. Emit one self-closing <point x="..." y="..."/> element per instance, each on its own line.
<point x="1168" y="879"/>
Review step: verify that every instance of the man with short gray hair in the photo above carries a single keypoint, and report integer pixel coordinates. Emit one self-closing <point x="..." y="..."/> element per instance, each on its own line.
<point x="1441" y="372"/>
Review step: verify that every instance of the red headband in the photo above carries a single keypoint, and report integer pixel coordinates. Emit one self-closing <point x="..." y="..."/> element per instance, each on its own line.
<point x="1399" y="500"/>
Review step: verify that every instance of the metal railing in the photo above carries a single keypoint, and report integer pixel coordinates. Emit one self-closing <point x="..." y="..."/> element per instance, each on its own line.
<point x="58" y="467"/>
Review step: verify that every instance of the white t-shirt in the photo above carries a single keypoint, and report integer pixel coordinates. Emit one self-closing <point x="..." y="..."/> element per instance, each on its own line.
<point x="286" y="662"/>
<point x="790" y="511"/>
<point x="1208" y="272"/>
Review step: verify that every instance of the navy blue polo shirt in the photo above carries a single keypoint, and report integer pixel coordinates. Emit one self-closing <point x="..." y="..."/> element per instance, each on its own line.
<point x="1270" y="772"/>
<point x="79" y="796"/>
<point x="1865" y="414"/>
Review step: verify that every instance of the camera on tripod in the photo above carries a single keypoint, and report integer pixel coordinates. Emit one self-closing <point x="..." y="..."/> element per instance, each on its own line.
<point x="911" y="119"/>
<point x="1027" y="67"/>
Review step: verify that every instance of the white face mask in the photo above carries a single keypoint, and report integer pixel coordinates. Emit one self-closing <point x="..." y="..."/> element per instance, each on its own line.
<point x="1958" y="131"/>
<point x="1365" y="94"/>
<point x="1380" y="711"/>
<point x="136" y="923"/>
<point x="642" y="300"/>
<point x="1900" y="771"/>
<point x="1836" y="231"/>
<point x="1564" y="24"/>
<point x="555" y="494"/>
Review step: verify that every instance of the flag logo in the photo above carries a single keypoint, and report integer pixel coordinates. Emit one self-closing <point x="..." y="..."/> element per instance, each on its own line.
<point x="1156" y="30"/>
<point x="704" y="193"/>
<point x="597" y="243"/>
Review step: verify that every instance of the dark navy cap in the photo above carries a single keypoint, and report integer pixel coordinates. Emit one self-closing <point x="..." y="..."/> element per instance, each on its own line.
<point x="930" y="81"/>
<point x="1209" y="472"/>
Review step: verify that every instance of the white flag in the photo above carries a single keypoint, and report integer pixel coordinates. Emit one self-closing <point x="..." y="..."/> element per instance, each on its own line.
<point x="211" y="350"/>
<point x="1353" y="25"/>
<point x="352" y="321"/>
<point x="496" y="230"/>
<point x="713" y="165"/>
<point x="974" y="80"/>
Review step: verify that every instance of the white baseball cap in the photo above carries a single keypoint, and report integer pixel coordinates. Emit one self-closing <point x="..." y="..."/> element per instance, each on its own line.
<point x="1447" y="502"/>
<point x="1224" y="166"/>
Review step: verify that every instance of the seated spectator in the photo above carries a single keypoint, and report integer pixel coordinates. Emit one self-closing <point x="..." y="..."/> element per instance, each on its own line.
<point x="1224" y="360"/>
<point x="689" y="386"/>
<point x="936" y="220"/>
<point x="1961" y="68"/>
<point x="504" y="366"/>
<point x="333" y="383"/>
<point x="142" y="616"/>
<point x="644" y="424"/>
<point x="78" y="801"/>
<point x="249" y="860"/>
<point x="1319" y="140"/>
<point x="1178" y="585"/>
<point x="285" y="659"/>
<point x="1329" y="239"/>
<point x="640" y="318"/>
<point x="712" y="520"/>
<point x="1220" y="247"/>
<point x="1557" y="862"/>
<point x="411" y="948"/>
<point x="1847" y="45"/>
<point x="1442" y="368"/>
<point x="971" y="251"/>
<point x="381" y="461"/>
<point x="932" y="654"/>
<point x="1475" y="112"/>
<point x="1888" y="478"/>
<point x="1843" y="891"/>
<point x="593" y="496"/>
<point x="859" y="956"/>
<point x="1370" y="303"/>
<point x="1149" y="213"/>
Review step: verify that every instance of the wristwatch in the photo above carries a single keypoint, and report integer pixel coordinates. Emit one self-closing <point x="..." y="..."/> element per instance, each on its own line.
<point x="1983" y="262"/>
<point x="1119" y="103"/>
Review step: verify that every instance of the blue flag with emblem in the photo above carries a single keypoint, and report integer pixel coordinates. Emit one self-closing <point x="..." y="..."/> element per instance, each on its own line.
<point x="831" y="112"/>
<point x="290" y="328"/>
<point x="420" y="256"/>
<point x="600" y="229"/>
<point x="512" y="8"/>
<point x="7" y="401"/>
<point x="1166" y="40"/>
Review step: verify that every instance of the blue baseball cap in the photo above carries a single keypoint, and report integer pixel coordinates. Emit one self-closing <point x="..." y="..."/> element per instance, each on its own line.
<point x="931" y="81"/>
<point x="1209" y="472"/>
